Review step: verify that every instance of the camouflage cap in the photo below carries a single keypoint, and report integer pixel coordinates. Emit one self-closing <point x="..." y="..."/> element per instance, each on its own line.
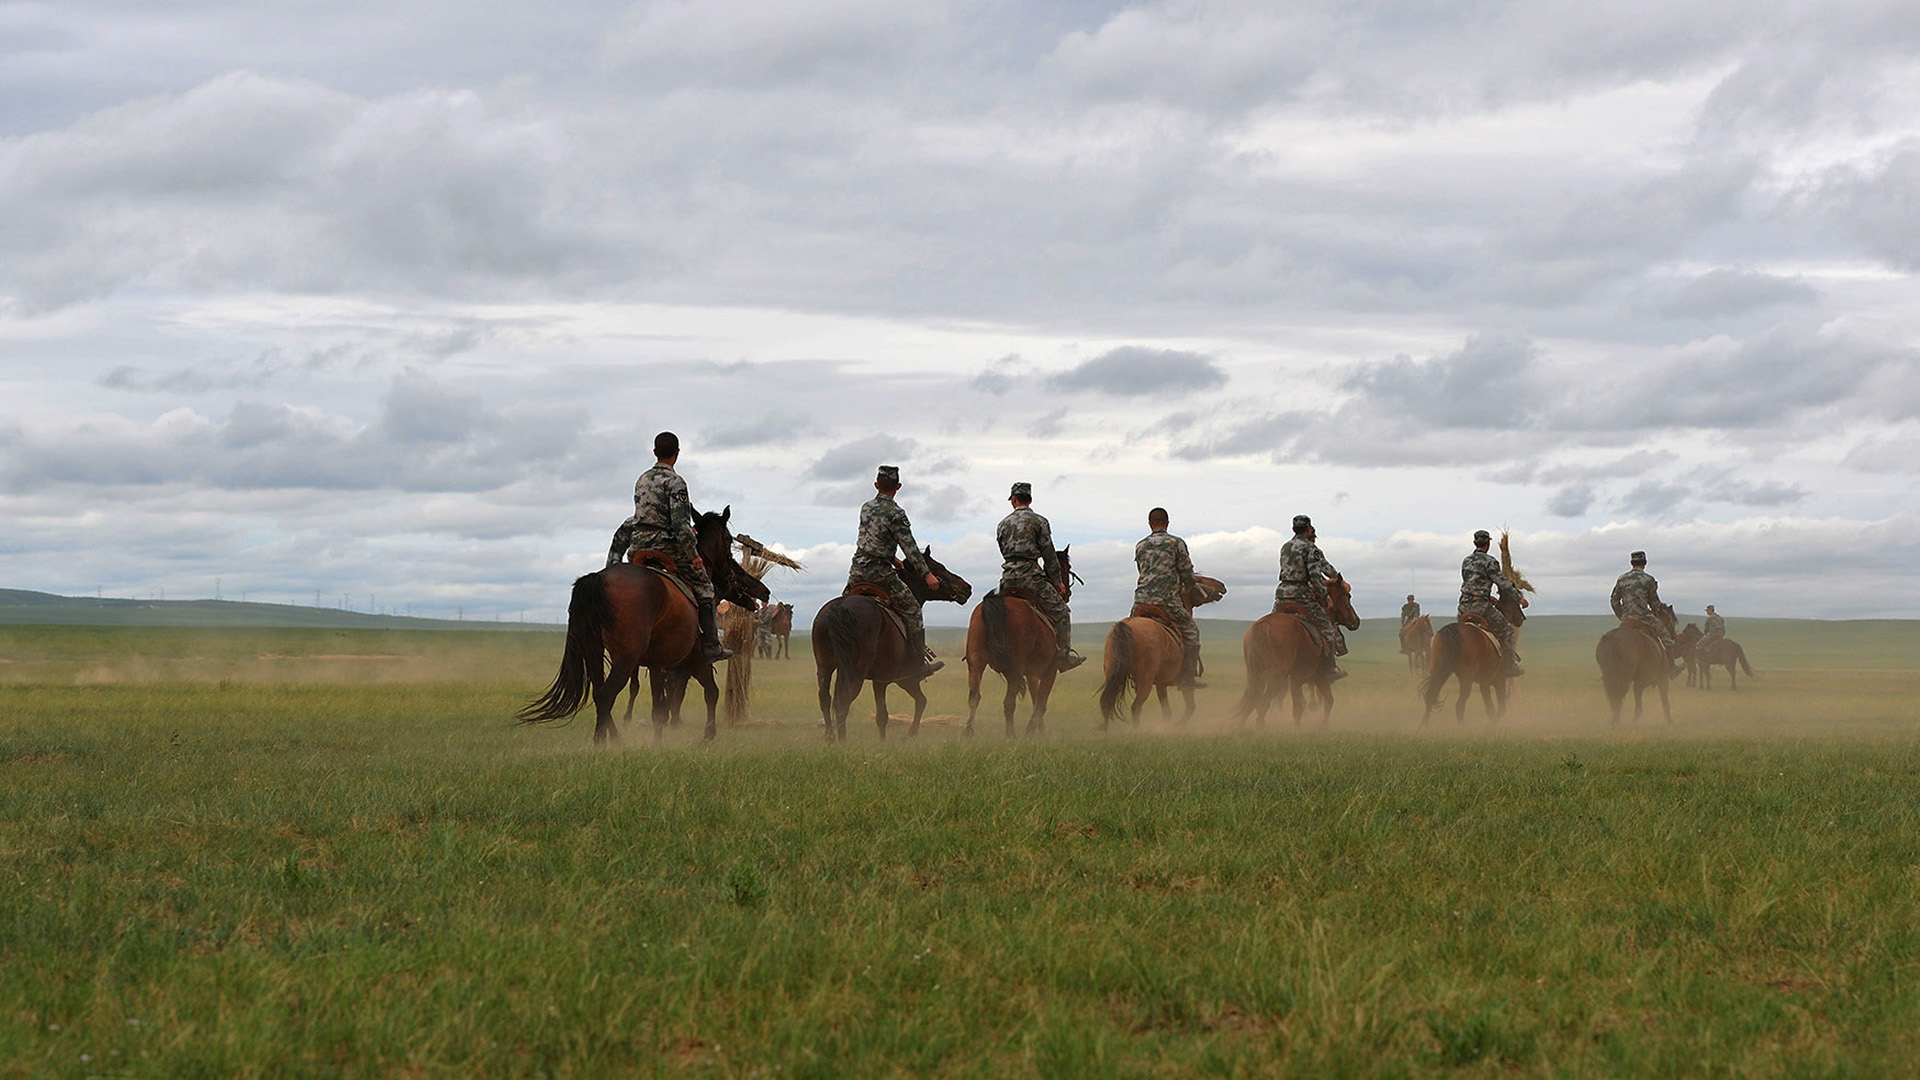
<point x="1302" y="521"/>
<point x="1021" y="490"/>
<point x="1482" y="536"/>
<point x="889" y="474"/>
<point x="1409" y="596"/>
<point x="1709" y="607"/>
<point x="1638" y="558"/>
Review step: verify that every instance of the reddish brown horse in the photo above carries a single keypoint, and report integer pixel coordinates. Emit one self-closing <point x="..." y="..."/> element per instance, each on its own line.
<point x="1147" y="653"/>
<point x="1416" y="640"/>
<point x="1467" y="650"/>
<point x="1008" y="634"/>
<point x="782" y="628"/>
<point x="856" y="641"/>
<point x="1282" y="655"/>
<point x="1630" y="658"/>
<point x="630" y="616"/>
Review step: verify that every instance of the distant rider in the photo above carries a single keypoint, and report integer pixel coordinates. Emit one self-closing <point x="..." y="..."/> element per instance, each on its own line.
<point x="1410" y="610"/>
<point x="1716" y="630"/>
<point x="1166" y="576"/>
<point x="1304" y="573"/>
<point x="663" y="521"/>
<point x="1636" y="596"/>
<point x="1029" y="561"/>
<point x="883" y="528"/>
<point x="1480" y="574"/>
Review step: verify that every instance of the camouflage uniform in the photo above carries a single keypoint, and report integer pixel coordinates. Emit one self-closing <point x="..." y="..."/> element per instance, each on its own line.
<point x="884" y="527"/>
<point x="1479" y="573"/>
<point x="1304" y="574"/>
<point x="1166" y="573"/>
<point x="1409" y="611"/>
<point x="1028" y="561"/>
<point x="1636" y="596"/>
<point x="663" y="521"/>
<point x="1716" y="631"/>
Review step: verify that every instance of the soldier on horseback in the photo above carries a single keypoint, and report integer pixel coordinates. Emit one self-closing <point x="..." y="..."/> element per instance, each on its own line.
<point x="1166" y="575"/>
<point x="662" y="521"/>
<point x="1030" y="563"/>
<point x="883" y="528"/>
<point x="1636" y="596"/>
<point x="1715" y="631"/>
<point x="1304" y="573"/>
<point x="1479" y="574"/>
<point x="1410" y="610"/>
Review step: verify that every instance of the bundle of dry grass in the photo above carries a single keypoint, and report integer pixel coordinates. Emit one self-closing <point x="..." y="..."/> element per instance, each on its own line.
<point x="1507" y="568"/>
<point x="740" y="628"/>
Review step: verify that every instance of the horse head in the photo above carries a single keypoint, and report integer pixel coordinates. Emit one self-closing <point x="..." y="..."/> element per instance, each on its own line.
<point x="952" y="586"/>
<point x="1340" y="603"/>
<point x="1664" y="612"/>
<point x="730" y="580"/>
<point x="1063" y="581"/>
<point x="1690" y="635"/>
<point x="1508" y="603"/>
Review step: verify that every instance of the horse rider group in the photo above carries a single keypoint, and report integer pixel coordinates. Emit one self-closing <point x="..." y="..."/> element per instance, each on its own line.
<point x="663" y="522"/>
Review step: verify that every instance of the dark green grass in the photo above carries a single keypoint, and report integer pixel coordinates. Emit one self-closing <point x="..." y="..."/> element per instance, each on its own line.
<point x="337" y="878"/>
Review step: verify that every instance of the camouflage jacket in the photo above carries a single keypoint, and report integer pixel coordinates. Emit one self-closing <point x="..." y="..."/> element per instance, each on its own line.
<point x="883" y="528"/>
<point x="1026" y="544"/>
<point x="1716" y="627"/>
<point x="1479" y="573"/>
<point x="1409" y="611"/>
<point x="1303" y="570"/>
<point x="663" y="515"/>
<point x="1166" y="570"/>
<point x="1636" y="595"/>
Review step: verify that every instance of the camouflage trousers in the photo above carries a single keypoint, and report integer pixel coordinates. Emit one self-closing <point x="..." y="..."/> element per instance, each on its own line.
<point x="1709" y="641"/>
<point x="899" y="597"/>
<point x="1047" y="599"/>
<point x="628" y="539"/>
<point x="1182" y="620"/>
<point x="1654" y="627"/>
<point x="1496" y="622"/>
<point x="1315" y="602"/>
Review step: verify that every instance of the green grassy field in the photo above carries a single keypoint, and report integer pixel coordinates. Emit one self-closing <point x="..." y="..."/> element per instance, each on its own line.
<point x="327" y="852"/>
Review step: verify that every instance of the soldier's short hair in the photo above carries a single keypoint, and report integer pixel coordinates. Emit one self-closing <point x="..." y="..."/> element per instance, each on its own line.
<point x="1157" y="516"/>
<point x="888" y="476"/>
<point x="665" y="445"/>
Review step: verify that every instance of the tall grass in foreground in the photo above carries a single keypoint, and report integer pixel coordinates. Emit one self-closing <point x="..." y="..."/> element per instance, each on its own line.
<point x="262" y="877"/>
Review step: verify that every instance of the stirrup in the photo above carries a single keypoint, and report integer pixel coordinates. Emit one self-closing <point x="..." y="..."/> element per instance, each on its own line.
<point x="1335" y="673"/>
<point x="929" y="666"/>
<point x="713" y="652"/>
<point x="1068" y="660"/>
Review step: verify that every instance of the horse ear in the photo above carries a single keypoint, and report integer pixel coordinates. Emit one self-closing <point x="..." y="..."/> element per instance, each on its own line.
<point x="727" y="514"/>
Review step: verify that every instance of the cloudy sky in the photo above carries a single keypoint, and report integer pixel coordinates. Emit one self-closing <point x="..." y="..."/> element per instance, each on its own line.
<point x="386" y="300"/>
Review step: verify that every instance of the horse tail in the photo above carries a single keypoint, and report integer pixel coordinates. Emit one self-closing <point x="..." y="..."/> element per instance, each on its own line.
<point x="843" y="638"/>
<point x="1740" y="654"/>
<point x="1000" y="656"/>
<point x="1120" y="649"/>
<point x="1444" y="661"/>
<point x="589" y="613"/>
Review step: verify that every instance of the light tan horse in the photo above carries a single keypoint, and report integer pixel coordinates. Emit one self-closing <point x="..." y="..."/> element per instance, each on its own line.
<point x="1282" y="655"/>
<point x="1416" y="640"/>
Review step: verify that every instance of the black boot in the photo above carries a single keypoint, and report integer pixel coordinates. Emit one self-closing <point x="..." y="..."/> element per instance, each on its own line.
<point x="1334" y="671"/>
<point x="917" y="653"/>
<point x="1190" y="671"/>
<point x="710" y="648"/>
<point x="1066" y="659"/>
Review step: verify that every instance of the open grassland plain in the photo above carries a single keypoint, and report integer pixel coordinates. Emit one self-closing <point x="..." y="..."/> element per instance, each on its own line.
<point x="326" y="852"/>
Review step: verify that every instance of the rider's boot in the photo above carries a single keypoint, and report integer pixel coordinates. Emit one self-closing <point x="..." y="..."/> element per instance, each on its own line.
<point x="1190" y="671"/>
<point x="1675" y="666"/>
<point x="1333" y="671"/>
<point x="1066" y="659"/>
<point x="1514" y="669"/>
<point x="710" y="648"/>
<point x="917" y="651"/>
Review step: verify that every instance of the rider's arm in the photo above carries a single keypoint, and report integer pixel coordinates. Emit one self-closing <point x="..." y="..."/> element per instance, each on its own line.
<point x="1183" y="564"/>
<point x="909" y="547"/>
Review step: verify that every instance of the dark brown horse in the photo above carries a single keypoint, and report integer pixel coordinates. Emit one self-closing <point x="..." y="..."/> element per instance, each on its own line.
<point x="1630" y="658"/>
<point x="1467" y="650"/>
<point x="855" y="640"/>
<point x="1702" y="659"/>
<point x="631" y="616"/>
<point x="1416" y="640"/>
<point x="1281" y="655"/>
<point x="1008" y="634"/>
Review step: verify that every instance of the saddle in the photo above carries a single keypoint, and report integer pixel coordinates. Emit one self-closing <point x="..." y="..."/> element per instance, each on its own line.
<point x="875" y="592"/>
<point x="1303" y="614"/>
<point x="1635" y="624"/>
<point x="1479" y="622"/>
<point x="662" y="563"/>
<point x="1020" y="592"/>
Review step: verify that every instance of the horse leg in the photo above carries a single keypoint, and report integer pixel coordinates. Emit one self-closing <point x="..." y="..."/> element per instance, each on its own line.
<point x="633" y="695"/>
<point x="880" y="706"/>
<point x="919" y="705"/>
<point x="824" y="677"/>
<point x="974" y="676"/>
<point x="1009" y="703"/>
<point x="1460" y="702"/>
<point x="1040" y="688"/>
<point x="1486" y="699"/>
<point x="1139" y="702"/>
<point x="1299" y="701"/>
<point x="1166" y="707"/>
<point x="1665" y="707"/>
<point x="1326" y="705"/>
<point x="712" y="691"/>
<point x="843" y="695"/>
<point x="661" y="706"/>
<point x="1639" y="689"/>
<point x="606" y="693"/>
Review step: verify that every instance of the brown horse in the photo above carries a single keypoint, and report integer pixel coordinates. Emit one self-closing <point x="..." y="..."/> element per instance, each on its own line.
<point x="855" y="639"/>
<point x="1282" y="655"/>
<point x="1149" y="654"/>
<point x="1467" y="650"/>
<point x="1008" y="634"/>
<point x="782" y="628"/>
<point x="1704" y="658"/>
<point x="1629" y="657"/>
<point x="1416" y="640"/>
<point x="630" y="615"/>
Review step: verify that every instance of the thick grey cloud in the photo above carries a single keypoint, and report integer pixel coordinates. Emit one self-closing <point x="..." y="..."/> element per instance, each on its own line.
<point x="1134" y="371"/>
<point x="773" y="429"/>
<point x="1572" y="500"/>
<point x="860" y="457"/>
<point x="1489" y="383"/>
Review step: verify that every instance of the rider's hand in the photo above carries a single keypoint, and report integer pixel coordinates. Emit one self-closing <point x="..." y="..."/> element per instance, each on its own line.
<point x="933" y="581"/>
<point x="699" y="565"/>
<point x="1523" y="600"/>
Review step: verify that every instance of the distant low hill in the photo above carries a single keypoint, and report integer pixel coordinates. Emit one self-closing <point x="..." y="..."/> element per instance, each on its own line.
<point x="22" y="607"/>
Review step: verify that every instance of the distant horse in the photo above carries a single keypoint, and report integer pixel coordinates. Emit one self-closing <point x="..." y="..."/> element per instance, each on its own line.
<point x="1468" y="651"/>
<point x="1630" y="657"/>
<point x="1416" y="640"/>
<point x="1008" y="634"/>
<point x="1704" y="658"/>
<point x="632" y="616"/>
<point x="1281" y="655"/>
<point x="782" y="627"/>
<point x="1148" y="653"/>
<point x="855" y="639"/>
